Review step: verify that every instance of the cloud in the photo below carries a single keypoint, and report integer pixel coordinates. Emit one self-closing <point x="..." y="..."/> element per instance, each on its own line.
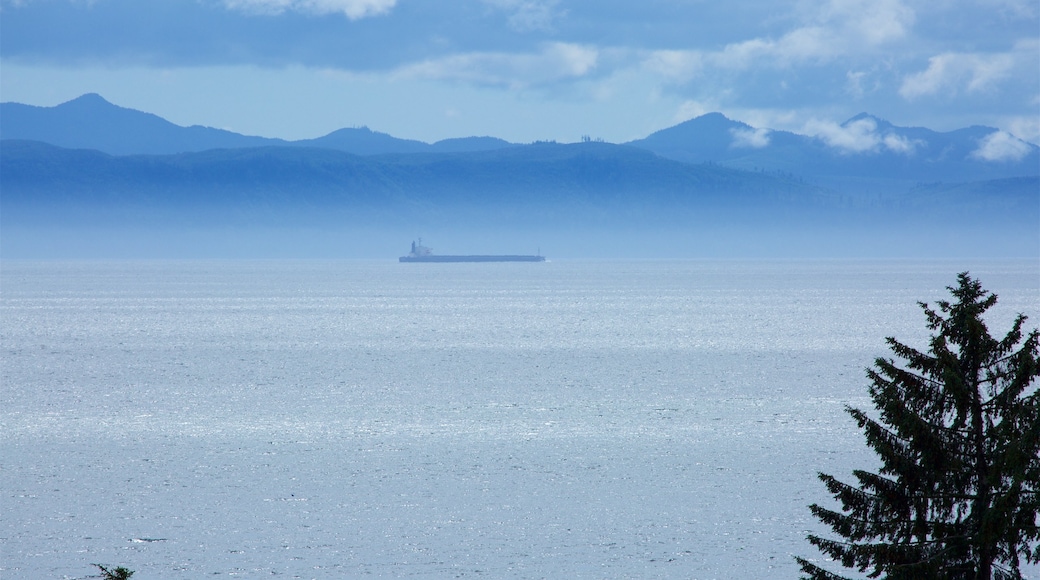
<point x="872" y="22"/>
<point x="855" y="137"/>
<point x="761" y="62"/>
<point x="530" y="15"/>
<point x="802" y="44"/>
<point x="950" y="72"/>
<point x="1025" y="127"/>
<point x="752" y="138"/>
<point x="674" y="65"/>
<point x="555" y="61"/>
<point x="838" y="29"/>
<point x="353" y="9"/>
<point x="681" y="66"/>
<point x="854" y="83"/>
<point x="1001" y="146"/>
<point x="860" y="136"/>
<point x="899" y="143"/>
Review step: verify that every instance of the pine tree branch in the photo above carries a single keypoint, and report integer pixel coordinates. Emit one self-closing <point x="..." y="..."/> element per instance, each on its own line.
<point x="958" y="435"/>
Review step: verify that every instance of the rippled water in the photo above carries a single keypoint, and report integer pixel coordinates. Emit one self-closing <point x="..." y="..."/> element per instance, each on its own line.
<point x="348" y="419"/>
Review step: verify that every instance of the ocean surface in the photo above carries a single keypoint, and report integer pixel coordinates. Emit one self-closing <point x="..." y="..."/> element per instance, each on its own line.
<point x="372" y="419"/>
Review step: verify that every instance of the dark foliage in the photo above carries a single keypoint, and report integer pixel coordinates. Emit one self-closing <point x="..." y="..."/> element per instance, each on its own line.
<point x="118" y="573"/>
<point x="958" y="435"/>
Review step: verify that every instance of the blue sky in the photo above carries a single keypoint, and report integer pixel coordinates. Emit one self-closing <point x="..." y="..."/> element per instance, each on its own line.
<point x="527" y="70"/>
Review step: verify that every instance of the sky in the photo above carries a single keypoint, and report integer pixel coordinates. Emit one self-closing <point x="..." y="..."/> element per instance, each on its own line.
<point x="527" y="70"/>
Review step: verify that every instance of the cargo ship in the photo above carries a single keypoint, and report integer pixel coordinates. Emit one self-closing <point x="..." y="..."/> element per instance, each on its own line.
<point x="421" y="253"/>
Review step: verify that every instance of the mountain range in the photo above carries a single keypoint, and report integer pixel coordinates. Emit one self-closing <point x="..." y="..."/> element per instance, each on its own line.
<point x="89" y="163"/>
<point x="862" y="147"/>
<point x="91" y="122"/>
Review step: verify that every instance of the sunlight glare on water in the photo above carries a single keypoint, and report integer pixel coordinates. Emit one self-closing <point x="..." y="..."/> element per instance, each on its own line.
<point x="341" y="419"/>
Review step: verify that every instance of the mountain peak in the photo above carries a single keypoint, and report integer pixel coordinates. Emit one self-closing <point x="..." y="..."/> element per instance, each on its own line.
<point x="717" y="120"/>
<point x="709" y="124"/>
<point x="697" y="139"/>
<point x="714" y="115"/>
<point x="88" y="99"/>
<point x="878" y="121"/>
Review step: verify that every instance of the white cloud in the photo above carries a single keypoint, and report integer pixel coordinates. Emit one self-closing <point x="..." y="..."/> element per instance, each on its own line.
<point x="860" y="136"/>
<point x="900" y="144"/>
<point x="839" y="28"/>
<point x="798" y="45"/>
<point x="872" y="22"/>
<point x="752" y="138"/>
<point x="576" y="60"/>
<point x="675" y="65"/>
<point x="856" y="137"/>
<point x="353" y="9"/>
<point x="950" y="72"/>
<point x="775" y="119"/>
<point x="811" y="43"/>
<point x="854" y="83"/>
<point x="530" y="15"/>
<point x="1001" y="146"/>
<point x="554" y="62"/>
<point x="1026" y="127"/>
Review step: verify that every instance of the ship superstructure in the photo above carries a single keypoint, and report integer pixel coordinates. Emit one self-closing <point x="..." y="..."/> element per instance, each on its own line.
<point x="421" y="253"/>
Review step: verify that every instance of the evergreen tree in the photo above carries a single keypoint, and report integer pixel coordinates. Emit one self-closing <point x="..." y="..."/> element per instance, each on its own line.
<point x="957" y="431"/>
<point x="119" y="573"/>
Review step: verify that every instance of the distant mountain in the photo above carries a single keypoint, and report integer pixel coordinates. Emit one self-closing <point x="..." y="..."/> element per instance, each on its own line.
<point x="90" y="164"/>
<point x="364" y="141"/>
<point x="709" y="137"/>
<point x="543" y="183"/>
<point x="611" y="200"/>
<point x="464" y="144"/>
<point x="91" y="122"/>
<point x="862" y="151"/>
<point x="535" y="180"/>
<point x="863" y="155"/>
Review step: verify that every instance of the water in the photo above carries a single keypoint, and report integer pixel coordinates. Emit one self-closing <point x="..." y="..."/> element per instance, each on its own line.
<point x="356" y="419"/>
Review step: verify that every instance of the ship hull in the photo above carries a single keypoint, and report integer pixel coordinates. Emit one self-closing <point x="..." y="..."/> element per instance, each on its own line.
<point x="506" y="258"/>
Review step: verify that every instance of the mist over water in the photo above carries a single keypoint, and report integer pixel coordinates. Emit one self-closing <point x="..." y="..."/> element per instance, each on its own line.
<point x="329" y="419"/>
<point x="832" y="238"/>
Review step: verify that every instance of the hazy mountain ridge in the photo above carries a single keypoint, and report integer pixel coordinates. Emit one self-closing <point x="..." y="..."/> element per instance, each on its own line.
<point x="539" y="179"/>
<point x="91" y="122"/>
<point x="727" y="185"/>
<point x="546" y="185"/>
<point x="862" y="147"/>
<point x="871" y="151"/>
